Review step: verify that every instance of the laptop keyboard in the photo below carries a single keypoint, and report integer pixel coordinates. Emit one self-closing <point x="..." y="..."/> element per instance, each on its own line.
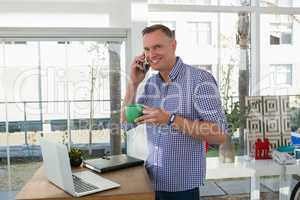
<point x="82" y="186"/>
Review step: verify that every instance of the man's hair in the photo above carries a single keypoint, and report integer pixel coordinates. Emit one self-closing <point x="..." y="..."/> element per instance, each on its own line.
<point x="160" y="27"/>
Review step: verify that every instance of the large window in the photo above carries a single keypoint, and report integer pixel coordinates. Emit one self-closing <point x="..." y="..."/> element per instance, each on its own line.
<point x="50" y="79"/>
<point x="256" y="41"/>
<point x="60" y="89"/>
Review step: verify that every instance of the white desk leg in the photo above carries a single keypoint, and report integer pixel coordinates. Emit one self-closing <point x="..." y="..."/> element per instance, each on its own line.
<point x="285" y="187"/>
<point x="255" y="188"/>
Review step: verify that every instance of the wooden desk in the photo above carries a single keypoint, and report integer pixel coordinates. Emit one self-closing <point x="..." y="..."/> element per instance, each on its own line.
<point x="135" y="185"/>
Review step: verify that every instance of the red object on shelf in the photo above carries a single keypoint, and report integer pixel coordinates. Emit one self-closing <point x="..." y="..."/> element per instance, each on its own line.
<point x="206" y="146"/>
<point x="262" y="149"/>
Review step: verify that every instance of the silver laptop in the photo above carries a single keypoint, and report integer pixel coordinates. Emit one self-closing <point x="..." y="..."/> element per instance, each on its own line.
<point x="58" y="171"/>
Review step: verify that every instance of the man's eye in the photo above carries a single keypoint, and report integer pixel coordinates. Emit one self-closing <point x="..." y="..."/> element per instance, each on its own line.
<point x="157" y="47"/>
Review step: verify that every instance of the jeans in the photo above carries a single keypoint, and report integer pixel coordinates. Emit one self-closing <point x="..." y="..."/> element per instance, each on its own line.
<point x="192" y="194"/>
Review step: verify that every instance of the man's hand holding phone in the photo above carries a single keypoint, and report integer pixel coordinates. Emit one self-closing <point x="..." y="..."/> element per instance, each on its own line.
<point x="139" y="68"/>
<point x="138" y="72"/>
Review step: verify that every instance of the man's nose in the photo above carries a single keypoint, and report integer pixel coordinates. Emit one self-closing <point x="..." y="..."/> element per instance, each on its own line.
<point x="151" y="53"/>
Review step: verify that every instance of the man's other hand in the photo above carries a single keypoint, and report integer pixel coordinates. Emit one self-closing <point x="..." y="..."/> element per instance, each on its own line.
<point x="152" y="115"/>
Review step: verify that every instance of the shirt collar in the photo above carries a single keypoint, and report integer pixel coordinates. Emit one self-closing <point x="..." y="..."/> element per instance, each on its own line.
<point x="176" y="69"/>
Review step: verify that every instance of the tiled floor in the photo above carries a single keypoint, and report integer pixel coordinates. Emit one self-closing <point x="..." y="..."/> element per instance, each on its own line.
<point x="237" y="189"/>
<point x="263" y="195"/>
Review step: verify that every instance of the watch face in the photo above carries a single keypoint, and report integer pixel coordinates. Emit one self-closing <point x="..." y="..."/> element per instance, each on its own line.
<point x="172" y="118"/>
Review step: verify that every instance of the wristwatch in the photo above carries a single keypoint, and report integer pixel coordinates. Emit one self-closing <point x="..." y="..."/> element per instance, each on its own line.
<point x="171" y="119"/>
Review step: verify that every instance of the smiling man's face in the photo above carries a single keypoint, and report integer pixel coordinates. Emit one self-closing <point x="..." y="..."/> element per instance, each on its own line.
<point x="159" y="50"/>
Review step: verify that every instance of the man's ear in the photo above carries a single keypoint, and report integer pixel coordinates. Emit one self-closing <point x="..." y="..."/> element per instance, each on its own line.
<point x="174" y="44"/>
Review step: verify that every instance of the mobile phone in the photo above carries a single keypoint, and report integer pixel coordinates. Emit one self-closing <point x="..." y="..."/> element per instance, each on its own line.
<point x="146" y="65"/>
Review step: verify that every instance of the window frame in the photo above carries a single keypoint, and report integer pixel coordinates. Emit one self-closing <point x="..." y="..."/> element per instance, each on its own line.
<point x="274" y="24"/>
<point x="197" y="31"/>
<point x="275" y="73"/>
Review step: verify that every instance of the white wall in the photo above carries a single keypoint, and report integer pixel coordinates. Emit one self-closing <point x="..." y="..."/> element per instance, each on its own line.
<point x="65" y="13"/>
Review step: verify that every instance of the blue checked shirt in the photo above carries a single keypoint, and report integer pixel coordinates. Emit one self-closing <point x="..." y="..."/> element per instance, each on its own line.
<point x="176" y="161"/>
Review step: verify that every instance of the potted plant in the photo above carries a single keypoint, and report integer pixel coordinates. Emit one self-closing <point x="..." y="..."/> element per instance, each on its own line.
<point x="75" y="155"/>
<point x="227" y="150"/>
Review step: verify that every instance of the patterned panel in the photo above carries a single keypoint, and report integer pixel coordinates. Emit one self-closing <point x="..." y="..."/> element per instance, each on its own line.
<point x="275" y="140"/>
<point x="254" y="122"/>
<point x="268" y="117"/>
<point x="285" y="105"/>
<point x="272" y="125"/>
<point x="255" y="125"/>
<point x="271" y="105"/>
<point x="286" y="124"/>
<point x="255" y="106"/>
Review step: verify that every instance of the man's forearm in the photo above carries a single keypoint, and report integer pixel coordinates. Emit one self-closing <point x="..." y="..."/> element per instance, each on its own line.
<point x="202" y="130"/>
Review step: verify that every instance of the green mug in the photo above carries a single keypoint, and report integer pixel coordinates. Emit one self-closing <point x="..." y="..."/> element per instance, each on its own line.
<point x="133" y="111"/>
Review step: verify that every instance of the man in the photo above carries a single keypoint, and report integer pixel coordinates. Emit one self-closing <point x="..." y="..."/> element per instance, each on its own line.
<point x="182" y="109"/>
